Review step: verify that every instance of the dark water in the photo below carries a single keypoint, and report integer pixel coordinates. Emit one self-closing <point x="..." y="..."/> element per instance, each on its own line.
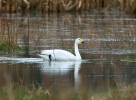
<point x="108" y="56"/>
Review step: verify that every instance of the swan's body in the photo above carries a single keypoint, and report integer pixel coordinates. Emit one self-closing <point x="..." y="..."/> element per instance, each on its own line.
<point x="62" y="55"/>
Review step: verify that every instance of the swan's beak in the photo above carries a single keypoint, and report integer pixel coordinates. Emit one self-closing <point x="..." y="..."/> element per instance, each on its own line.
<point x="82" y="41"/>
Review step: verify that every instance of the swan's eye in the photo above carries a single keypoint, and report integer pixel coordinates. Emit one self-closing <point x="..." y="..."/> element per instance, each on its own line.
<point x="80" y="40"/>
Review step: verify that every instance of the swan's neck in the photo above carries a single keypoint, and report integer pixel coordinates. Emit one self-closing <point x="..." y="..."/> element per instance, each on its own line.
<point x="77" y="54"/>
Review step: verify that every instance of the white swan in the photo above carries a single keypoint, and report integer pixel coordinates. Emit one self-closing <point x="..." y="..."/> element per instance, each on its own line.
<point x="62" y="55"/>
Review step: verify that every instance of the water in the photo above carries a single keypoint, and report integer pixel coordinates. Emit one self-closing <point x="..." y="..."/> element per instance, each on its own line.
<point x="110" y="38"/>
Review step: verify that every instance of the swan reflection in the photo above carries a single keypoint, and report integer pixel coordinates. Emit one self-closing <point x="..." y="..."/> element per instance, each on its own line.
<point x="63" y="68"/>
<point x="57" y="67"/>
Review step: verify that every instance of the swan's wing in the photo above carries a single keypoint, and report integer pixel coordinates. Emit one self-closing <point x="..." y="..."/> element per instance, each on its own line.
<point x="63" y="55"/>
<point x="57" y="54"/>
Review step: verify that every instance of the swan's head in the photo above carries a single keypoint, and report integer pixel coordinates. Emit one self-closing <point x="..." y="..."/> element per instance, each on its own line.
<point x="79" y="41"/>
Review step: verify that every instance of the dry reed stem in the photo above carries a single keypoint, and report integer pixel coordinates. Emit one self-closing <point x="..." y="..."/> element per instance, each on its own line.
<point x="128" y="5"/>
<point x="27" y="3"/>
<point x="0" y="5"/>
<point x="48" y="93"/>
<point x="79" y="5"/>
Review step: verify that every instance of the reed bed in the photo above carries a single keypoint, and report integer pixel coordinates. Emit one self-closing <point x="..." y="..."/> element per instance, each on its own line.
<point x="66" y="5"/>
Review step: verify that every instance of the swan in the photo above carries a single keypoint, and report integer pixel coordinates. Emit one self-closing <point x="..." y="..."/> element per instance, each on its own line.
<point x="62" y="55"/>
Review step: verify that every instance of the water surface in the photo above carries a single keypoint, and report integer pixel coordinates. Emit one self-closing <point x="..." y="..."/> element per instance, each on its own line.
<point x="110" y="38"/>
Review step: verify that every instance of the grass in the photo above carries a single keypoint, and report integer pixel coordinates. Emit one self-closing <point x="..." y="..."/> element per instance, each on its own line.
<point x="8" y="50"/>
<point x="16" y="92"/>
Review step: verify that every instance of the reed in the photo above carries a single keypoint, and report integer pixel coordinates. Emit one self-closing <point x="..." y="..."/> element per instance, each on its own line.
<point x="66" y="5"/>
<point x="128" y="5"/>
<point x="0" y="5"/>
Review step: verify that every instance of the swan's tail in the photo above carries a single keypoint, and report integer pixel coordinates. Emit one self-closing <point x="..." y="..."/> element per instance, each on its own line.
<point x="45" y="57"/>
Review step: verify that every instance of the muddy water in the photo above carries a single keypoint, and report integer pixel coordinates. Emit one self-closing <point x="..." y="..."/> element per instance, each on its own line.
<point x="108" y="55"/>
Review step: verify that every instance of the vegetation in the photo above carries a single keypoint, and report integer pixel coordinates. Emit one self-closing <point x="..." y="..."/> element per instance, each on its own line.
<point x="122" y="92"/>
<point x="9" y="48"/>
<point x="16" y="92"/>
<point x="66" y="5"/>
